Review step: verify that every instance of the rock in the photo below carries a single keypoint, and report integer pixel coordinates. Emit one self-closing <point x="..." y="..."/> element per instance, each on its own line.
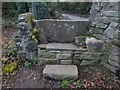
<point x="65" y="62"/>
<point x="114" y="58"/>
<point x="113" y="63"/>
<point x="42" y="46"/>
<point x="85" y="62"/>
<point x="90" y="39"/>
<point x="76" y="62"/>
<point x="110" y="13"/>
<point x="109" y="67"/>
<point x="113" y="25"/>
<point x="48" y="55"/>
<point x="98" y="31"/>
<point x="60" y="46"/>
<point x="63" y="56"/>
<point x="101" y="25"/>
<point x="60" y="72"/>
<point x="80" y="40"/>
<point x="95" y="47"/>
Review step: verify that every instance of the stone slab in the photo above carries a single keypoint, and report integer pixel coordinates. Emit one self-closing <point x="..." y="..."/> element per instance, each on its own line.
<point x="60" y="72"/>
<point x="60" y="46"/>
<point x="63" y="30"/>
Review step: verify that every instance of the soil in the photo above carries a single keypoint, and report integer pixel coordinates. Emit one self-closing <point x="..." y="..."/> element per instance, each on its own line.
<point x="33" y="78"/>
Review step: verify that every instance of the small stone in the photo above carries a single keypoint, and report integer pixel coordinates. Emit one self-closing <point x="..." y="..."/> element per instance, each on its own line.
<point x="63" y="56"/>
<point x="52" y="61"/>
<point x="60" y="72"/>
<point x="65" y="62"/>
<point x="101" y="25"/>
<point x="42" y="46"/>
<point x="80" y="40"/>
<point x="76" y="62"/>
<point x="85" y="62"/>
<point x="47" y="55"/>
<point x="110" y="13"/>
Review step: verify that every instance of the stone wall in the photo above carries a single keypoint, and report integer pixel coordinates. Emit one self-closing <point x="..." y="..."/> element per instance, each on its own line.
<point x="76" y="56"/>
<point x="105" y="25"/>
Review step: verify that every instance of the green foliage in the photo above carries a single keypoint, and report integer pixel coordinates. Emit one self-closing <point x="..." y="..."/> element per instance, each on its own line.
<point x="8" y="24"/>
<point x="71" y="83"/>
<point x="78" y="7"/>
<point x="79" y="84"/>
<point x="35" y="35"/>
<point x="65" y="83"/>
<point x="13" y="9"/>
<point x="8" y="69"/>
<point x="10" y="49"/>
<point x="30" y="62"/>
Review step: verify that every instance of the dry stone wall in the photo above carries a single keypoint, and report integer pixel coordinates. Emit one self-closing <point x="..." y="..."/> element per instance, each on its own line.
<point x="105" y="25"/>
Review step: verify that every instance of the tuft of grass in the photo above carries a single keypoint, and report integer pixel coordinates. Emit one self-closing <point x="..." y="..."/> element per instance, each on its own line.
<point x="9" y="69"/>
<point x="65" y="83"/>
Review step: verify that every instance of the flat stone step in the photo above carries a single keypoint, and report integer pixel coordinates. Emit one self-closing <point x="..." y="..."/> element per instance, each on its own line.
<point x="60" y="72"/>
<point x="61" y="46"/>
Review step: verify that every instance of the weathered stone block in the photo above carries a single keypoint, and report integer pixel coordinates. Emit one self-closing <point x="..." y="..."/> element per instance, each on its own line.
<point x="52" y="61"/>
<point x="85" y="62"/>
<point x="47" y="55"/>
<point x="110" y="13"/>
<point x="80" y="50"/>
<point x="113" y="24"/>
<point x="101" y="25"/>
<point x="60" y="72"/>
<point x="63" y="56"/>
<point x="86" y="57"/>
<point x="60" y="46"/>
<point x="113" y="63"/>
<point x="98" y="31"/>
<point x="95" y="47"/>
<point x="76" y="62"/>
<point x="42" y="46"/>
<point x="66" y="62"/>
<point x="114" y="57"/>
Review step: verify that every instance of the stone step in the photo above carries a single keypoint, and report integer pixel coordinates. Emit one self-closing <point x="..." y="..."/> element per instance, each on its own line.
<point x="60" y="72"/>
<point x="61" y="46"/>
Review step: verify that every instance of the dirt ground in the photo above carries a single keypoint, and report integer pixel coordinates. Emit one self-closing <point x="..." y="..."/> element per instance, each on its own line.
<point x="33" y="78"/>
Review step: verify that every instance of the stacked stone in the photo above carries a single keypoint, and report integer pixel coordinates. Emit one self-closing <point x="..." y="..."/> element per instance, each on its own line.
<point x="105" y="26"/>
<point x="27" y="47"/>
<point x="78" y="56"/>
